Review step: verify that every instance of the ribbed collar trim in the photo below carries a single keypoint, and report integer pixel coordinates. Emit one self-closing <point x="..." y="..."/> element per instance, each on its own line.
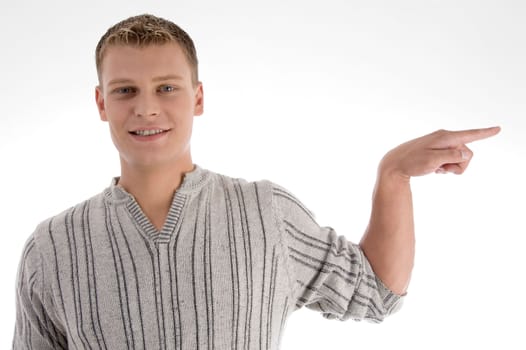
<point x="192" y="181"/>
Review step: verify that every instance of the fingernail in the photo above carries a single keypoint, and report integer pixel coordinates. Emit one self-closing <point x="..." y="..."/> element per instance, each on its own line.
<point x="464" y="154"/>
<point x="440" y="171"/>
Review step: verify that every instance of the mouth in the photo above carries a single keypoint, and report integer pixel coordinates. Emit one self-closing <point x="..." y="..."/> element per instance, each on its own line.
<point x="148" y="132"/>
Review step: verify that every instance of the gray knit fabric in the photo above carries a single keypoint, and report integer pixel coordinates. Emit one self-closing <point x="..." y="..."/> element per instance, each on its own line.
<point x="232" y="262"/>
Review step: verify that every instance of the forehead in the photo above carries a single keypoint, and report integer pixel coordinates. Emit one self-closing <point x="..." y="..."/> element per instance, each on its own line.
<point x="136" y="63"/>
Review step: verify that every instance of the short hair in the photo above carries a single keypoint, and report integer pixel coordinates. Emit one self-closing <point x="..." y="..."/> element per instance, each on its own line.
<point x="144" y="30"/>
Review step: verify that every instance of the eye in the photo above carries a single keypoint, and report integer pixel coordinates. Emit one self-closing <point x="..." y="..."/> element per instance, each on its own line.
<point x="124" y="90"/>
<point x="167" y="88"/>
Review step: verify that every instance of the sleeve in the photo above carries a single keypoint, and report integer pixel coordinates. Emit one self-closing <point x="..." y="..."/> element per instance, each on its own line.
<point x="34" y="327"/>
<point x="329" y="274"/>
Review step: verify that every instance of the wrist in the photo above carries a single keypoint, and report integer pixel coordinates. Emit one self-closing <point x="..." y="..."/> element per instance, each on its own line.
<point x="391" y="177"/>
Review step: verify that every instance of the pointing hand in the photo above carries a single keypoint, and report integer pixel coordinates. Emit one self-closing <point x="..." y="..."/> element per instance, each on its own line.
<point x="440" y="152"/>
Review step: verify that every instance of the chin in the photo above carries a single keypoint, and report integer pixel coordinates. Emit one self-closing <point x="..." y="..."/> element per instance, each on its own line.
<point x="155" y="161"/>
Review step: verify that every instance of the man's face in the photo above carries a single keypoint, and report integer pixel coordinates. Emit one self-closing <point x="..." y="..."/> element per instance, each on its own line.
<point x="146" y="90"/>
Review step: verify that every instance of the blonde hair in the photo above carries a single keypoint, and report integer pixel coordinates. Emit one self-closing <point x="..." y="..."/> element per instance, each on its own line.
<point x="144" y="30"/>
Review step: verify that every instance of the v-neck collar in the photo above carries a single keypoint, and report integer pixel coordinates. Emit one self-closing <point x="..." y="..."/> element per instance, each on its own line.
<point x="174" y="213"/>
<point x="192" y="182"/>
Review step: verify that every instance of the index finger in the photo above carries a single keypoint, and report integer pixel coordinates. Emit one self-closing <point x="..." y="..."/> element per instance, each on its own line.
<point x="467" y="136"/>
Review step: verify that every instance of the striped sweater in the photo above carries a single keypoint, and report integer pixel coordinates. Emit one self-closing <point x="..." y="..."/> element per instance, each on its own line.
<point x="232" y="262"/>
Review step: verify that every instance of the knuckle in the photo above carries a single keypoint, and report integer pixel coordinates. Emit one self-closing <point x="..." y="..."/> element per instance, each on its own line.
<point x="440" y="132"/>
<point x="467" y="153"/>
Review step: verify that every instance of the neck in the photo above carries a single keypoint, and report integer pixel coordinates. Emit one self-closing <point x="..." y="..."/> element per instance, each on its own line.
<point x="153" y="187"/>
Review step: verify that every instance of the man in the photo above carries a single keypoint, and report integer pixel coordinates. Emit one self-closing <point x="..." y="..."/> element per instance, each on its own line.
<point x="174" y="256"/>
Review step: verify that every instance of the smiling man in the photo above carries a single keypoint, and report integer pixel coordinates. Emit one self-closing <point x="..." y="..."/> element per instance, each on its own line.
<point x="149" y="96"/>
<point x="174" y="256"/>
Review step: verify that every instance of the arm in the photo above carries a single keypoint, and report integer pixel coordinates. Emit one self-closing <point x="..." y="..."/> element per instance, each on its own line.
<point x="389" y="241"/>
<point x="34" y="328"/>
<point x="328" y="273"/>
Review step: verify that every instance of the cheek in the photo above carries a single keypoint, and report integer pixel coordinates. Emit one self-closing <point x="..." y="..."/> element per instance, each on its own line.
<point x="180" y="111"/>
<point x="116" y="114"/>
<point x="183" y="102"/>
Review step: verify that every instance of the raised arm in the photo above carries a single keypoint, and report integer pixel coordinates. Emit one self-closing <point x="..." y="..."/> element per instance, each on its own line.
<point x="389" y="241"/>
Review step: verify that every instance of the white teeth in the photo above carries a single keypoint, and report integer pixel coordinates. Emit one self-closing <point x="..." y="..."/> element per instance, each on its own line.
<point x="147" y="132"/>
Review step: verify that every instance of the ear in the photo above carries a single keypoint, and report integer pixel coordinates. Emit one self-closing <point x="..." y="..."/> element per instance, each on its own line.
<point x="99" y="99"/>
<point x="198" y="107"/>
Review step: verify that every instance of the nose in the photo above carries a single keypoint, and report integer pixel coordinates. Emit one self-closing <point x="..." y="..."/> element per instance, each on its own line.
<point x="146" y="106"/>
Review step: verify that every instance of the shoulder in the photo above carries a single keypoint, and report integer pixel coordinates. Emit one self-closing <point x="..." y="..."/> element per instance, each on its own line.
<point x="53" y="229"/>
<point x="267" y="192"/>
<point x="240" y="182"/>
<point x="246" y="191"/>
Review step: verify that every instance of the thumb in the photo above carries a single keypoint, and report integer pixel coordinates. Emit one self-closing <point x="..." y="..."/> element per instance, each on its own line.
<point x="453" y="155"/>
<point x="453" y="160"/>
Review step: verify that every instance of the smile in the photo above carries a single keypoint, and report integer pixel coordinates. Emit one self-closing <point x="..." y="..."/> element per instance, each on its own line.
<point x="148" y="132"/>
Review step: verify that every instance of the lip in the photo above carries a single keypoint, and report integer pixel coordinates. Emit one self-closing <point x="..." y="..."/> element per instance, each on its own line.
<point x="150" y="137"/>
<point x="149" y="128"/>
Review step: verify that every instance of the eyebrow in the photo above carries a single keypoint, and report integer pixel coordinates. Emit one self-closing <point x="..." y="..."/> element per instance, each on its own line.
<point x="156" y="79"/>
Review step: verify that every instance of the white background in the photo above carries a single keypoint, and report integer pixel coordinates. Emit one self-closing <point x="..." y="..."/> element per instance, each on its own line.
<point x="308" y="94"/>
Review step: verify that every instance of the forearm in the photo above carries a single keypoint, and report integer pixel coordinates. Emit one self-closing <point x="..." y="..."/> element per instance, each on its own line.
<point x="389" y="241"/>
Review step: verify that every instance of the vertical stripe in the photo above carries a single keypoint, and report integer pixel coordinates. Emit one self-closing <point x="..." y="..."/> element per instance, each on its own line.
<point x="98" y="331"/>
<point x="234" y="269"/>
<point x="264" y="266"/>
<point x="155" y="286"/>
<point x="82" y="228"/>
<point x="160" y="288"/>
<point x="180" y="334"/>
<point x="248" y="263"/>
<point x="28" y="248"/>
<point x="172" y="278"/>
<point x="76" y="294"/>
<point x="206" y="275"/>
<point x="152" y="260"/>
<point x="27" y="326"/>
<point x="24" y="265"/>
<point x="58" y="281"/>
<point x="193" y="279"/>
<point x="136" y="281"/>
<point x="283" y="318"/>
<point x="117" y="277"/>
<point x="31" y="283"/>
<point x="210" y="268"/>
<point x="272" y="291"/>
<point x="72" y="266"/>
<point x="231" y="265"/>
<point x="205" y="279"/>
<point x="29" y="338"/>
<point x="42" y="329"/>
<point x="167" y="237"/>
